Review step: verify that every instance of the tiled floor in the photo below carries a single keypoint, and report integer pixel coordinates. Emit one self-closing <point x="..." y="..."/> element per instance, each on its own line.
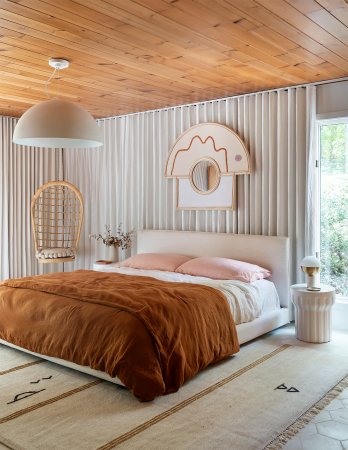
<point x="329" y="429"/>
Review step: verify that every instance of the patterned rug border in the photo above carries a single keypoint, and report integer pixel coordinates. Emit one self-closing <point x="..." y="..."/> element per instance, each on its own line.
<point x="303" y="420"/>
<point x="154" y="420"/>
<point x="49" y="401"/>
<point x="22" y="366"/>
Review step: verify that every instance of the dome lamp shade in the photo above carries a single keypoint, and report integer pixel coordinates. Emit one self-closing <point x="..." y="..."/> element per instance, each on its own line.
<point x="310" y="261"/>
<point x="57" y="124"/>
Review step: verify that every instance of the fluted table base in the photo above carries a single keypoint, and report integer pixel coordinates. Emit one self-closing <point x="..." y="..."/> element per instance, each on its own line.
<point x="313" y="319"/>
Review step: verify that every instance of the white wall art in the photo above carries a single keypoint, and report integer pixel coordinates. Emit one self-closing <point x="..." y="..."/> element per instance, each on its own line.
<point x="204" y="161"/>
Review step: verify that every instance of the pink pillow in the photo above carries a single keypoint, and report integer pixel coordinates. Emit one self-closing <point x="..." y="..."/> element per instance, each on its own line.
<point x="155" y="261"/>
<point x="223" y="269"/>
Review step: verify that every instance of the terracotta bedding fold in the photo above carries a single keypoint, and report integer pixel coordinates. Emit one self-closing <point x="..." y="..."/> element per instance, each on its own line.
<point x="153" y="335"/>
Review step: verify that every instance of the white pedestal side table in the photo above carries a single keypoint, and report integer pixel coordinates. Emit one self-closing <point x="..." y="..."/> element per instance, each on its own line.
<point x="313" y="320"/>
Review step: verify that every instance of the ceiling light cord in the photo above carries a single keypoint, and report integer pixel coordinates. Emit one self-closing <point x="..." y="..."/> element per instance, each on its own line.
<point x="57" y="64"/>
<point x="49" y="81"/>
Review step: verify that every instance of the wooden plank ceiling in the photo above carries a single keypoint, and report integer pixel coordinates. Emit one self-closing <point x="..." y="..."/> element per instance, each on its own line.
<point x="136" y="55"/>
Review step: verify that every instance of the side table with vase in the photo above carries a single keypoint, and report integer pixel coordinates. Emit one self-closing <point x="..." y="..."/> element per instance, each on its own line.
<point x="115" y="244"/>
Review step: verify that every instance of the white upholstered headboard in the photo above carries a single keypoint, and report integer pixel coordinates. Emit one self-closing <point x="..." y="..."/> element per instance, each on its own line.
<point x="271" y="252"/>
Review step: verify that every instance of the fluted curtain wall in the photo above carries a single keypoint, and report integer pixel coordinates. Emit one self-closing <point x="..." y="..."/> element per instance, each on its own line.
<point x="22" y="171"/>
<point x="123" y="182"/>
<point x="312" y="222"/>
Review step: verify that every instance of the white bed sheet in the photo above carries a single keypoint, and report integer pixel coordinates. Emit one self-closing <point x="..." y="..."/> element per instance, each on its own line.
<point x="247" y="301"/>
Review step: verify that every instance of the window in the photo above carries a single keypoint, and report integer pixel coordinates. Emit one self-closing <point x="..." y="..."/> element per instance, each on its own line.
<point x="334" y="204"/>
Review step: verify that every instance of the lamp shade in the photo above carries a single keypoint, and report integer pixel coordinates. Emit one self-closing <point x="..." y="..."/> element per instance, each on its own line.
<point x="310" y="261"/>
<point x="56" y="124"/>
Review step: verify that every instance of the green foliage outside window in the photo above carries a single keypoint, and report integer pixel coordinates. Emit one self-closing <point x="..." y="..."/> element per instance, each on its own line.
<point x="334" y="206"/>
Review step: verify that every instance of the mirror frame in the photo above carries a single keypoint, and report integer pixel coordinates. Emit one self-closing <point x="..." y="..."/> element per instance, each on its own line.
<point x="218" y="176"/>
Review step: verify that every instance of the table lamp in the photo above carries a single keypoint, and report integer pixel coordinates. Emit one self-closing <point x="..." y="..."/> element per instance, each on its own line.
<point x="311" y="266"/>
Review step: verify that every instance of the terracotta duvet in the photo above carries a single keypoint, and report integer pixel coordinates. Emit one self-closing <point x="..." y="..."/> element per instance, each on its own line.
<point x="153" y="335"/>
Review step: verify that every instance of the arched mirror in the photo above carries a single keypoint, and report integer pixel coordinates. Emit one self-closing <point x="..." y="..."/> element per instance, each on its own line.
<point x="205" y="176"/>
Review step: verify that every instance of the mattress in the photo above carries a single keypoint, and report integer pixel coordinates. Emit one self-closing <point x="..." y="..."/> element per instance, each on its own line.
<point x="247" y="301"/>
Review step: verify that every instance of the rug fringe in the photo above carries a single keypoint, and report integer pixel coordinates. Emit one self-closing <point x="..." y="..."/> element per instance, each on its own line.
<point x="308" y="416"/>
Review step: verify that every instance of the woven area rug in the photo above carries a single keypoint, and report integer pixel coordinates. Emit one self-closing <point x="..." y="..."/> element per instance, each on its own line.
<point x="243" y="403"/>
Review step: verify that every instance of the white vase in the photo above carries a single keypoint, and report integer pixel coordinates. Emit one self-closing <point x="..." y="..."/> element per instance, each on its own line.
<point x="111" y="253"/>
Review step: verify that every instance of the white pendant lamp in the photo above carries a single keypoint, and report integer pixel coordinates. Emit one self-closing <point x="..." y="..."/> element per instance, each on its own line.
<point x="57" y="123"/>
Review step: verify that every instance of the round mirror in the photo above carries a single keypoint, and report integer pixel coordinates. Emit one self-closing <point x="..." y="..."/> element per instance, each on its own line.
<point x="205" y="176"/>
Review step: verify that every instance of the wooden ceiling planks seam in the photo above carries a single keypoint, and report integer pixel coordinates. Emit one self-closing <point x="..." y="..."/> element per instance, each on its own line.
<point x="296" y="34"/>
<point x="134" y="55"/>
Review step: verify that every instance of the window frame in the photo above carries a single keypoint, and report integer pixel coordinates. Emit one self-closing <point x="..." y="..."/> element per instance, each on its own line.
<point x="330" y="119"/>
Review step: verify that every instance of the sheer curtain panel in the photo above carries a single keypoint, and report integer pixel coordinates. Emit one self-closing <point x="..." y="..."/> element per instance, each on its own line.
<point x="123" y="182"/>
<point x="22" y="171"/>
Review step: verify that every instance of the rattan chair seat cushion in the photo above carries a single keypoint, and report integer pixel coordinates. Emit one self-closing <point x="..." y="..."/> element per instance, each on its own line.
<point x="53" y="253"/>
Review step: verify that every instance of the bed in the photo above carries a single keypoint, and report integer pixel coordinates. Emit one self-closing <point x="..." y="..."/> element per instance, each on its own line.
<point x="270" y="252"/>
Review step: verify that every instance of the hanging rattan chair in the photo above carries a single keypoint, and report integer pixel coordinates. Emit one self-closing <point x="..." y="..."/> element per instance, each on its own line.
<point x="56" y="216"/>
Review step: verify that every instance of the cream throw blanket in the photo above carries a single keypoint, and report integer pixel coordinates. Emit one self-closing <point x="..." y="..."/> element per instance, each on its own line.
<point x="243" y="298"/>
